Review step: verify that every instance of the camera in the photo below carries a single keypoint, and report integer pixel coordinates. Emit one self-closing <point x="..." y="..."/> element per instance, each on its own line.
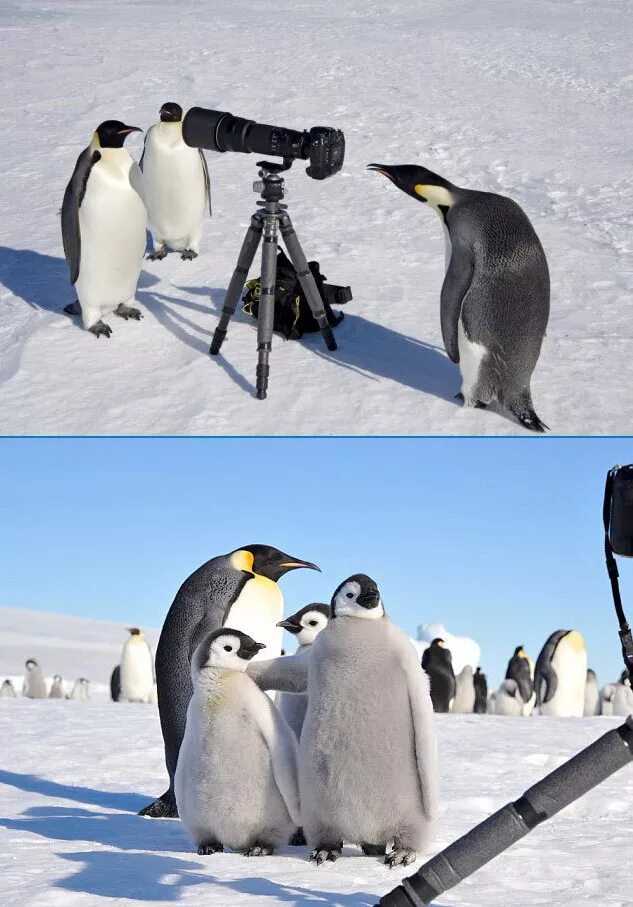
<point x="217" y="130"/>
<point x="620" y="510"/>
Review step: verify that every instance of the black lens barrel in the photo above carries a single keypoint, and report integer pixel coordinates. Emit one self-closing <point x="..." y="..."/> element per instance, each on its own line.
<point x="200" y="127"/>
<point x="217" y="130"/>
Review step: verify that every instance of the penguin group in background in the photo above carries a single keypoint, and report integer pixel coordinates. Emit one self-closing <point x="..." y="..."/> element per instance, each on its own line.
<point x="236" y="780"/>
<point x="239" y="590"/>
<point x="560" y="676"/>
<point x="480" y="683"/>
<point x="507" y="700"/>
<point x="34" y="686"/>
<point x="81" y="689"/>
<point x="137" y="668"/>
<point x="438" y="664"/>
<point x="103" y="228"/>
<point x="176" y="184"/>
<point x="57" y="688"/>
<point x="520" y="669"/>
<point x="464" y="701"/>
<point x="7" y="690"/>
<point x="592" y="695"/>
<point x="115" y="684"/>
<point x="305" y="626"/>
<point x="494" y="303"/>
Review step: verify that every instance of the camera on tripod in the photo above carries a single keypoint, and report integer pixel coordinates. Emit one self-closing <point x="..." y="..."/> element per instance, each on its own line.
<point x="620" y="510"/>
<point x="217" y="130"/>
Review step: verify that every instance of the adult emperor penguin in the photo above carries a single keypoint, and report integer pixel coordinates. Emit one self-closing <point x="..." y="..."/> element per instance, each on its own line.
<point x="103" y="228"/>
<point x="438" y="664"/>
<point x="34" y="686"/>
<point x="57" y="688"/>
<point x="177" y="186"/>
<point x="592" y="695"/>
<point x="236" y="780"/>
<point x="521" y="670"/>
<point x="480" y="682"/>
<point x="464" y="701"/>
<point x="137" y="668"/>
<point x="495" y="299"/>
<point x="7" y="690"/>
<point x="367" y="754"/>
<point x="305" y="626"/>
<point x="561" y="675"/>
<point x="508" y="699"/>
<point x="238" y="589"/>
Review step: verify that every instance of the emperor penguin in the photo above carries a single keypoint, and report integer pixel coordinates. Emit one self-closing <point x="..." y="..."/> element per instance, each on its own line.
<point x="521" y="669"/>
<point x="115" y="684"/>
<point x="137" y="668"/>
<point x="238" y="589"/>
<point x="494" y="303"/>
<point x="57" y="688"/>
<point x="623" y="698"/>
<point x="464" y="701"/>
<point x="236" y="780"/>
<point x="34" y="686"/>
<point x="592" y="695"/>
<point x="367" y="754"/>
<point x="103" y="228"/>
<point x="177" y="186"/>
<point x="560" y="677"/>
<point x="480" y="682"/>
<point x="7" y="690"/>
<point x="305" y="626"/>
<point x="508" y="699"/>
<point x="438" y="664"/>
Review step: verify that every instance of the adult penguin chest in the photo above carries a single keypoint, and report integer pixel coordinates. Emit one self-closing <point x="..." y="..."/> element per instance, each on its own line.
<point x="176" y="195"/>
<point x="256" y="611"/>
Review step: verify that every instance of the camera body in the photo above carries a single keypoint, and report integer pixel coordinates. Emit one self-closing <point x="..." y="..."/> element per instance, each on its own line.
<point x="621" y="511"/>
<point x="217" y="130"/>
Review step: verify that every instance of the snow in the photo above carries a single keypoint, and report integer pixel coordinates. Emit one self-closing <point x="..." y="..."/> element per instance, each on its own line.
<point x="530" y="100"/>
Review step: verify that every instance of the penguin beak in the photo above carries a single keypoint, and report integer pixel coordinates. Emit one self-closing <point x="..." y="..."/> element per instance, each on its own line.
<point x="294" y="564"/>
<point x="127" y="129"/>
<point x="290" y="625"/>
<point x="369" y="599"/>
<point x="382" y="168"/>
<point x="248" y="650"/>
<point x="401" y="176"/>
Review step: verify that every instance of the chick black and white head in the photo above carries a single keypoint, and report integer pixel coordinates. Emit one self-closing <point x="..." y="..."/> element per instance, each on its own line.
<point x="224" y="649"/>
<point x="30" y="663"/>
<point x="358" y="596"/>
<point x="307" y="623"/>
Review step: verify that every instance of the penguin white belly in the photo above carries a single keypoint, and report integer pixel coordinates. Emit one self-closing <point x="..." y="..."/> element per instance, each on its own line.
<point x="137" y="672"/>
<point x="112" y="222"/>
<point x="570" y="666"/>
<point x="258" y="608"/>
<point x="175" y="191"/>
<point x="471" y="355"/>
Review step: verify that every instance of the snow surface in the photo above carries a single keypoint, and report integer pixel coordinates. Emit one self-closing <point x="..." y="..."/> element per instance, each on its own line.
<point x="531" y="100"/>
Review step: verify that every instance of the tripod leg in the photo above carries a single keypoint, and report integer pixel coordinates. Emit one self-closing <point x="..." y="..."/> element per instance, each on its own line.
<point x="266" y="313"/>
<point x="244" y="262"/>
<point x="308" y="285"/>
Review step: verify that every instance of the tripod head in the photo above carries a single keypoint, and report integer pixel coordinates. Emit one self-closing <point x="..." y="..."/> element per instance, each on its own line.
<point x="271" y="185"/>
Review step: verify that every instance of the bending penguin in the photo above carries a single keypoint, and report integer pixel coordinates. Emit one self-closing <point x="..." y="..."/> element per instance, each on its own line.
<point x="464" y="701"/>
<point x="305" y="626"/>
<point x="480" y="682"/>
<point x="494" y="302"/>
<point x="560" y="676"/>
<point x="34" y="686"/>
<point x="239" y="590"/>
<point x="521" y="670"/>
<point x="508" y="700"/>
<point x="137" y="668"/>
<point x="236" y="780"/>
<point x="177" y="186"/>
<point x="7" y="690"/>
<point x="438" y="664"/>
<point x="103" y="228"/>
<point x="367" y="754"/>
<point x="592" y="695"/>
<point x="57" y="688"/>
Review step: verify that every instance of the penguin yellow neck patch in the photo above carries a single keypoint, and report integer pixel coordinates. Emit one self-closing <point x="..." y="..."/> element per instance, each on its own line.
<point x="576" y="641"/>
<point x="242" y="560"/>
<point x="434" y="195"/>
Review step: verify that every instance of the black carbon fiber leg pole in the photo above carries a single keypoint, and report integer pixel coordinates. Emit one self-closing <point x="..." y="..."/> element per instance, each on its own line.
<point x="266" y="312"/>
<point x="486" y="841"/>
<point x="244" y="262"/>
<point x="308" y="285"/>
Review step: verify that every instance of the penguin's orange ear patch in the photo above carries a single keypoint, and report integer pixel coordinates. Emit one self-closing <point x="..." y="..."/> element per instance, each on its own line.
<point x="243" y="560"/>
<point x="420" y="190"/>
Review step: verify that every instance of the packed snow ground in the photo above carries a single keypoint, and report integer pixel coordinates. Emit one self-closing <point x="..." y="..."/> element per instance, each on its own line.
<point x="530" y="100"/>
<point x="73" y="775"/>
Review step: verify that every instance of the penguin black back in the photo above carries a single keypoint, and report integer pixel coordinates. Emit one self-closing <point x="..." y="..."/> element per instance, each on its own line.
<point x="437" y="661"/>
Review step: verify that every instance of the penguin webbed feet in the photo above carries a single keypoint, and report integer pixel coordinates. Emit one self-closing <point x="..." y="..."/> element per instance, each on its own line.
<point x="188" y="255"/>
<point x="298" y="839"/>
<point x="400" y="856"/>
<point x="325" y="853"/>
<point x="100" y="329"/>
<point x="163" y="807"/>
<point x="208" y="849"/>
<point x="157" y="255"/>
<point x="128" y="311"/>
<point x="259" y="850"/>
<point x="478" y="404"/>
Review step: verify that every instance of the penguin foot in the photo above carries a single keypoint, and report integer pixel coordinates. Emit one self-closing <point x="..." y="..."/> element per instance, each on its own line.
<point x="157" y="255"/>
<point x="188" y="255"/>
<point x="400" y="856"/>
<point x="323" y="854"/>
<point x="206" y="850"/>
<point x="259" y="850"/>
<point x="162" y="808"/>
<point x="298" y="839"/>
<point x="126" y="311"/>
<point x="374" y="850"/>
<point x="73" y="308"/>
<point x="100" y="329"/>
<point x="459" y="397"/>
<point x="477" y="404"/>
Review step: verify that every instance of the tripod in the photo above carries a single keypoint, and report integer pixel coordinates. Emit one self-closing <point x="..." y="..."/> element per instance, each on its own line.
<point x="270" y="219"/>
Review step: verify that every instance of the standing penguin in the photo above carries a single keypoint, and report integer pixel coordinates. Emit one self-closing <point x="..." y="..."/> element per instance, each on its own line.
<point x="561" y="675"/>
<point x="495" y="299"/>
<point x="34" y="686"/>
<point x="238" y="589"/>
<point x="623" y="698"/>
<point x="305" y="625"/>
<point x="137" y="668"/>
<point x="464" y="701"/>
<point x="508" y="699"/>
<point x="57" y="688"/>
<point x="177" y="186"/>
<point x="80" y="690"/>
<point x="592" y="695"/>
<point x="438" y="664"/>
<point x="236" y="779"/>
<point x="481" y="692"/>
<point x="115" y="684"/>
<point x="520" y="670"/>
<point x="606" y="699"/>
<point x="7" y="690"/>
<point x="103" y="228"/>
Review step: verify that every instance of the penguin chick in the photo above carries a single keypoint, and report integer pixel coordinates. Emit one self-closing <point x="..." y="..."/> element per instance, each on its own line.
<point x="34" y="686"/>
<point x="494" y="302"/>
<point x="438" y="664"/>
<point x="7" y="690"/>
<point x="137" y="668"/>
<point x="480" y="682"/>
<point x="606" y="699"/>
<point x="305" y="626"/>
<point x="592" y="695"/>
<point x="508" y="700"/>
<point x="464" y="702"/>
<point x="103" y="228"/>
<point x="623" y="698"/>
<point x="177" y="186"/>
<point x="236" y="778"/>
<point x="57" y="688"/>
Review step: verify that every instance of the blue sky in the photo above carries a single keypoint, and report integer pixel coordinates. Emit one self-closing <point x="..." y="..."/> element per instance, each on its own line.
<point x="500" y="539"/>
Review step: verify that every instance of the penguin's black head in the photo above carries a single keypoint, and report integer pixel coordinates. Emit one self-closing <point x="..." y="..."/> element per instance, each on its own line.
<point x="520" y="651"/>
<point x="30" y="663"/>
<point x="171" y="112"/>
<point x="357" y="596"/>
<point x="134" y="631"/>
<point x="225" y="648"/>
<point x="264" y="560"/>
<point x="113" y="133"/>
<point x="421" y="184"/>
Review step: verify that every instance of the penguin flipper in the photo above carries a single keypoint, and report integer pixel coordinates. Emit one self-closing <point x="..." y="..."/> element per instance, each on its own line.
<point x="73" y="197"/>
<point x="283" y="749"/>
<point x="207" y="180"/>
<point x="545" y="679"/>
<point x="287" y="674"/>
<point x="456" y="284"/>
<point x="423" y="734"/>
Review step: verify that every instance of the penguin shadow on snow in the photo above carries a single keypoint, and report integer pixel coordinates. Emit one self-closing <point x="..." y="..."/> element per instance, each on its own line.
<point x="103" y="798"/>
<point x="40" y="280"/>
